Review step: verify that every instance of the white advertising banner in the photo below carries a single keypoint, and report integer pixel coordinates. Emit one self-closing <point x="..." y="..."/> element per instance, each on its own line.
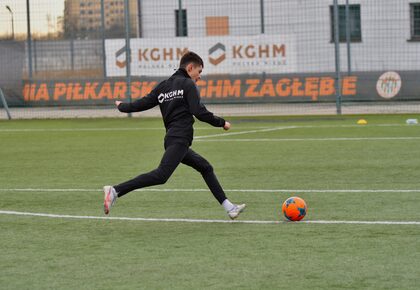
<point x="221" y="55"/>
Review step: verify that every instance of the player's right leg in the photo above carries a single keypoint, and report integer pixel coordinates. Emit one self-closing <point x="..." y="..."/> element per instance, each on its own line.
<point x="173" y="155"/>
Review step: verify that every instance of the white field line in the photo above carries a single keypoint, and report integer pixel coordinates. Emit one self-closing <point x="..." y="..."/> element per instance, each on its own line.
<point x="309" y="139"/>
<point x="78" y="129"/>
<point x="6" y="130"/>
<point x="89" y="129"/>
<point x="199" y="138"/>
<point x="256" y="130"/>
<point x="179" y="220"/>
<point x="40" y="190"/>
<point x="245" y="132"/>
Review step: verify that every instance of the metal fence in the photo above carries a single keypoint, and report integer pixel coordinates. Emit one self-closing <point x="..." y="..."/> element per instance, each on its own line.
<point x="300" y="53"/>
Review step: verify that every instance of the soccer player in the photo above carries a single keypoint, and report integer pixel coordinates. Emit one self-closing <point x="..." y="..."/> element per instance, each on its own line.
<point x="179" y="100"/>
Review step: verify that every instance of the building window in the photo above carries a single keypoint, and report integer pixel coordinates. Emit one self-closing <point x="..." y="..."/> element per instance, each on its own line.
<point x="184" y="31"/>
<point x="415" y="21"/>
<point x="354" y="23"/>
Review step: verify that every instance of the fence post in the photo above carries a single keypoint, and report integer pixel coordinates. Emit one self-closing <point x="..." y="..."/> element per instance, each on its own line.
<point x="29" y="38"/>
<point x="103" y="38"/>
<point x="337" y="60"/>
<point x="139" y="20"/>
<point x="72" y="54"/>
<point x="262" y="16"/>
<point x="180" y="14"/>
<point x="35" y="56"/>
<point x="348" y="38"/>
<point x="127" y="49"/>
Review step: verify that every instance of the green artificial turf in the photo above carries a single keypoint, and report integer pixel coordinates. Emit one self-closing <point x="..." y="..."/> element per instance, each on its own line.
<point x="344" y="171"/>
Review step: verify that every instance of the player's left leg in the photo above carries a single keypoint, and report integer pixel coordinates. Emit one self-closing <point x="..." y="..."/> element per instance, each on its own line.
<point x="200" y="164"/>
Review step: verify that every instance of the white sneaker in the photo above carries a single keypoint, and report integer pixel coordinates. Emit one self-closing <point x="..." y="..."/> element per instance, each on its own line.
<point x="110" y="196"/>
<point x="234" y="213"/>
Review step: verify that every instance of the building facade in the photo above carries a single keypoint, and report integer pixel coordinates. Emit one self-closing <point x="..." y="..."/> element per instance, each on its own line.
<point x="83" y="18"/>
<point x="384" y="34"/>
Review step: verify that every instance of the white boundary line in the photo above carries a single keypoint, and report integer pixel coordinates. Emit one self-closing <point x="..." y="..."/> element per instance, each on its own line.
<point x="307" y="139"/>
<point x="78" y="129"/>
<point x="227" y="190"/>
<point x="6" y="130"/>
<point x="246" y="132"/>
<point x="59" y="216"/>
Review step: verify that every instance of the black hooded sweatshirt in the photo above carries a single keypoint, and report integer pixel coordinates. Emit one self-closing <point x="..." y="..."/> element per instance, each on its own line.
<point x="179" y="100"/>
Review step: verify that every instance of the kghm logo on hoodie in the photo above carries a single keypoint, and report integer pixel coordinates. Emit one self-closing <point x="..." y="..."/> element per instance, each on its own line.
<point x="167" y="97"/>
<point x="217" y="54"/>
<point x="120" y="58"/>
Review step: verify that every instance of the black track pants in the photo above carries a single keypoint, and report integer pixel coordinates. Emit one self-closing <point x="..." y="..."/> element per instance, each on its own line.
<point x="176" y="152"/>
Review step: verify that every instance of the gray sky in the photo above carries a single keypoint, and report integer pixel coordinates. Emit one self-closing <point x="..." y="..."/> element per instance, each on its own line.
<point x="41" y="10"/>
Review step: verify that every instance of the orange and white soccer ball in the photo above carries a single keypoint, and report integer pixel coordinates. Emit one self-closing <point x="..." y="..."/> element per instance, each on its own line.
<point x="294" y="208"/>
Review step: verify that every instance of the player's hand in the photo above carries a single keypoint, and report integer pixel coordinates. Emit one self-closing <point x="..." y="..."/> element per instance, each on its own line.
<point x="226" y="126"/>
<point x="117" y="103"/>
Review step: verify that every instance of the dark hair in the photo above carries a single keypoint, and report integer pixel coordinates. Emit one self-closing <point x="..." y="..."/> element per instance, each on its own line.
<point x="190" y="57"/>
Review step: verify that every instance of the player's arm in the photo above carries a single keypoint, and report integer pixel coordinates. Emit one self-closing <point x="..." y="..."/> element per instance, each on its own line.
<point x="200" y="111"/>
<point x="139" y="105"/>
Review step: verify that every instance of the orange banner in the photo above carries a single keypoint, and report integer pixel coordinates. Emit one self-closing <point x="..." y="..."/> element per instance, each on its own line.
<point x="311" y="88"/>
